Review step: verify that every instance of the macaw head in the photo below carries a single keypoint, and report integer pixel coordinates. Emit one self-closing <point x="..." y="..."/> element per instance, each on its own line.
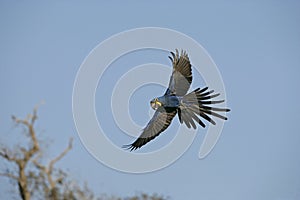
<point x="155" y="104"/>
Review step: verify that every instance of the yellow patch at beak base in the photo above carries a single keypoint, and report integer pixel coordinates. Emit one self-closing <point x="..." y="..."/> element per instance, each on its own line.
<point x="158" y="103"/>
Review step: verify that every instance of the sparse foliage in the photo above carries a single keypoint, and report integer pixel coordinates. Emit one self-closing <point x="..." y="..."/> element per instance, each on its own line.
<point x="36" y="180"/>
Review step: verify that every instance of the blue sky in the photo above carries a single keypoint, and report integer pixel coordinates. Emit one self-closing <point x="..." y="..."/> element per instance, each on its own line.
<point x="255" y="45"/>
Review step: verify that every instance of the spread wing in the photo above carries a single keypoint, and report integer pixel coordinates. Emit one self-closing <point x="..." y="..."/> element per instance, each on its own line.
<point x="181" y="77"/>
<point x="160" y="121"/>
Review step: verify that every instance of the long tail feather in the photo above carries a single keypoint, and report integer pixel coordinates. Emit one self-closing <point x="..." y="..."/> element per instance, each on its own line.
<point x="199" y="103"/>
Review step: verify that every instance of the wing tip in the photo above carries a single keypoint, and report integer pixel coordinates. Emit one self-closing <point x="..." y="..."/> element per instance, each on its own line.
<point x="129" y="147"/>
<point x="178" y="54"/>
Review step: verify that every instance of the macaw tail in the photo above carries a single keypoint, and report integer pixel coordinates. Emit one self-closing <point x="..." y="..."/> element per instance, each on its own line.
<point x="197" y="104"/>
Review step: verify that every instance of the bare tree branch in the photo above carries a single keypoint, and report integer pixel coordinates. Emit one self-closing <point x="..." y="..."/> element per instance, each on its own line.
<point x="48" y="171"/>
<point x="26" y="155"/>
<point x="29" y="123"/>
<point x="37" y="164"/>
<point x="9" y="175"/>
<point x="44" y="181"/>
<point x="52" y="162"/>
<point x="6" y="154"/>
<point x="47" y="181"/>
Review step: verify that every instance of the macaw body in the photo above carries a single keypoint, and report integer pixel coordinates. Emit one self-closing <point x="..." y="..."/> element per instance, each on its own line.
<point x="176" y="100"/>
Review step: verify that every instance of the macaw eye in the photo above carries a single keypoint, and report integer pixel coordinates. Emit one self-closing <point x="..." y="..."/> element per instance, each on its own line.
<point x="154" y="105"/>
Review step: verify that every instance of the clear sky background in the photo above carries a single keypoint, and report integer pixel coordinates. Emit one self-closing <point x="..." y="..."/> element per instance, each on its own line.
<point x="255" y="44"/>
